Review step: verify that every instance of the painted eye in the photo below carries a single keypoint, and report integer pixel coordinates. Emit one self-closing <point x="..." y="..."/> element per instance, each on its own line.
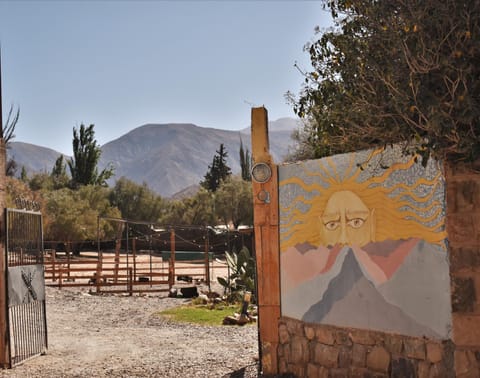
<point x="356" y="222"/>
<point x="333" y="225"/>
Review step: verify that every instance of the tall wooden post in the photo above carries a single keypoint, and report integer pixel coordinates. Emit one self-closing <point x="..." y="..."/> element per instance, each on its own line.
<point x="4" y="340"/>
<point x="171" y="268"/>
<point x="265" y="199"/>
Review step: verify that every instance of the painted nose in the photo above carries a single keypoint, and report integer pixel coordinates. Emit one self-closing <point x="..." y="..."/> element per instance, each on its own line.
<point x="343" y="235"/>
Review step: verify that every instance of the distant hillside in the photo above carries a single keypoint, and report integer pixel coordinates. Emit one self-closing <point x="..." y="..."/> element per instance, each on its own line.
<point x="168" y="157"/>
<point x="34" y="158"/>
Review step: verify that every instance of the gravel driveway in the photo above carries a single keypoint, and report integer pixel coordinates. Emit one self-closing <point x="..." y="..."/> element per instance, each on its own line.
<point x="120" y="336"/>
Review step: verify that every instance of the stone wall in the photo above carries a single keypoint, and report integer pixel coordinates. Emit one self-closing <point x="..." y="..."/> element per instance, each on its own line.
<point x="463" y="227"/>
<point x="313" y="350"/>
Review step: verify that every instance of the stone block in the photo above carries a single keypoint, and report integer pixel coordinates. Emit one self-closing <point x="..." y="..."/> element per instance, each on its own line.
<point x="464" y="259"/>
<point x="378" y="359"/>
<point x="461" y="229"/>
<point x="283" y="335"/>
<point x="414" y="348"/>
<point x="466" y="364"/>
<point x="326" y="356"/>
<point x="325" y="335"/>
<point x="344" y="357"/>
<point x="359" y="355"/>
<point x="299" y="349"/>
<point x="362" y="337"/>
<point x="394" y="344"/>
<point x="287" y="355"/>
<point x="402" y="368"/>
<point x="312" y="370"/>
<point x="466" y="330"/>
<point x="309" y="332"/>
<point x="338" y="373"/>
<point x="463" y="294"/>
<point x="282" y="366"/>
<point x="466" y="196"/>
<point x="341" y="337"/>
<point x="294" y="327"/>
<point x="358" y="372"/>
<point x="322" y="372"/>
<point x="434" y="352"/>
<point x="451" y="195"/>
<point x="438" y="371"/>
<point x="297" y="370"/>
<point x="423" y="370"/>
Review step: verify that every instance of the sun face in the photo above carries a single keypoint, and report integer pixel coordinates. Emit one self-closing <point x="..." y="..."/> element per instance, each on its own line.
<point x="346" y="220"/>
<point x="356" y="206"/>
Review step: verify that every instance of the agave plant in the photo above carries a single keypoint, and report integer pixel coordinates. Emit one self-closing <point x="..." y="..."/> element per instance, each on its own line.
<point x="241" y="277"/>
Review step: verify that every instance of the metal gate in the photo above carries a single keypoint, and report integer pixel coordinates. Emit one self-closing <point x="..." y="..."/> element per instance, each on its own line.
<point x="27" y="324"/>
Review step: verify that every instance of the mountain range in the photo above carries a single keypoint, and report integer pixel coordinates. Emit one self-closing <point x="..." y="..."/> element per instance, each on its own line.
<point x="169" y="158"/>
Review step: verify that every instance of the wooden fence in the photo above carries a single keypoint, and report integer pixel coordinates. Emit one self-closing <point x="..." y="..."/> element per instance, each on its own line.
<point x="132" y="272"/>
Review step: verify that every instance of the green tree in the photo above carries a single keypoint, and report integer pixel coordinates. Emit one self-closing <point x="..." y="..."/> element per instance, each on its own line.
<point x="59" y="174"/>
<point x="196" y="210"/>
<point x="74" y="213"/>
<point x="388" y="72"/>
<point x="234" y="202"/>
<point x="136" y="202"/>
<point x="245" y="162"/>
<point x="86" y="154"/>
<point x="41" y="182"/>
<point x="23" y="174"/>
<point x="217" y="171"/>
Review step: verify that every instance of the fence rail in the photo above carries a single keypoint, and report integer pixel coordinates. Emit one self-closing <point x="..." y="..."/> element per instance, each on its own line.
<point x="127" y="272"/>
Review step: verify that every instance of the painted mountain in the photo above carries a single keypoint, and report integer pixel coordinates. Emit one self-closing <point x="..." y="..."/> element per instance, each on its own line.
<point x="337" y="290"/>
<point x="168" y="157"/>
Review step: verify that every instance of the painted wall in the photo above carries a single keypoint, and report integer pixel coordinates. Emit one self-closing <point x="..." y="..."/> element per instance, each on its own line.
<point x="363" y="243"/>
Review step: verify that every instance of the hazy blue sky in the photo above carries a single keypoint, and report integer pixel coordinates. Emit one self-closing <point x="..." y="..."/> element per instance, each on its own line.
<point x="121" y="64"/>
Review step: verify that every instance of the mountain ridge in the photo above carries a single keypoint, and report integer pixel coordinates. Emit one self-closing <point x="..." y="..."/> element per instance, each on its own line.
<point x="168" y="157"/>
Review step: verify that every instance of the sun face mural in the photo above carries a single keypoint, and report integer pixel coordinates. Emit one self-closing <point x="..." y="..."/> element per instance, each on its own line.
<point x="364" y="234"/>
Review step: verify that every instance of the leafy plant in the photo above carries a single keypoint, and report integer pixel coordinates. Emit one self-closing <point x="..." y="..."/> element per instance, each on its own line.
<point x="242" y="274"/>
<point x="395" y="71"/>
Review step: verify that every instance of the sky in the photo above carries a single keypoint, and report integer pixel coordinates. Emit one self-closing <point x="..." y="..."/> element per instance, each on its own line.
<point x="122" y="64"/>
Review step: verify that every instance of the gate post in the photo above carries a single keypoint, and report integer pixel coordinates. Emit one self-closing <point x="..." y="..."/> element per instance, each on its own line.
<point x="267" y="245"/>
<point x="4" y="339"/>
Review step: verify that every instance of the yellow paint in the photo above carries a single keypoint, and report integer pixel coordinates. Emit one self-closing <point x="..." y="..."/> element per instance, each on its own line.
<point x="347" y="211"/>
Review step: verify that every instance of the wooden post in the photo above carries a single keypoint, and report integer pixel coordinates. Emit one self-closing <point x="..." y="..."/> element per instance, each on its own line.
<point x="134" y="255"/>
<point x="207" y="263"/>
<point x="118" y="245"/>
<point x="4" y="336"/>
<point x="171" y="268"/>
<point x="267" y="246"/>
<point x="98" y="276"/>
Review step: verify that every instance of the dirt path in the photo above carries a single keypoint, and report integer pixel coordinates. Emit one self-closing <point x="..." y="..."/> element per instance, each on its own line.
<point x="121" y="336"/>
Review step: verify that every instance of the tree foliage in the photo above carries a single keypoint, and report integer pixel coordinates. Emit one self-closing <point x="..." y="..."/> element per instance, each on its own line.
<point x="86" y="154"/>
<point x="74" y="213"/>
<point x="395" y="71"/>
<point x="245" y="162"/>
<point x="136" y="202"/>
<point x="217" y="171"/>
<point x="59" y="174"/>
<point x="234" y="202"/>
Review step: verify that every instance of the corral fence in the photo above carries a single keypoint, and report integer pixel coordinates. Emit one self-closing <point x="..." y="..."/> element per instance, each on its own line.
<point x="26" y="320"/>
<point x="143" y="258"/>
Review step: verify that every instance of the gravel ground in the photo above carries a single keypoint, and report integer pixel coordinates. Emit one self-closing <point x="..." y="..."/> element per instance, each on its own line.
<point x="121" y="336"/>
